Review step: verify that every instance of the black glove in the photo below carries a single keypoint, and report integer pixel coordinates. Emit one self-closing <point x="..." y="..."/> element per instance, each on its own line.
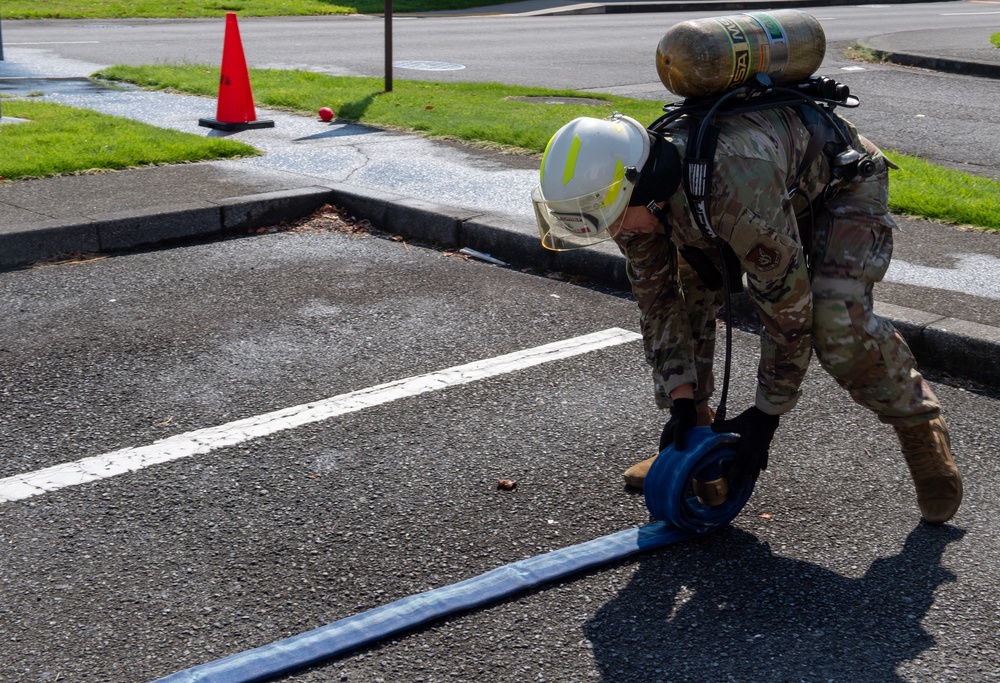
<point x="683" y="418"/>
<point x="756" y="429"/>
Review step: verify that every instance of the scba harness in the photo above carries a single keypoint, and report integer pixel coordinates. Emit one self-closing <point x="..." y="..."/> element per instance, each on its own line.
<point x="814" y="101"/>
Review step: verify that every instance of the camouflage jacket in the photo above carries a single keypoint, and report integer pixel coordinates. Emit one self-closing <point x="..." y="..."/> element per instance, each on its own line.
<point x="757" y="163"/>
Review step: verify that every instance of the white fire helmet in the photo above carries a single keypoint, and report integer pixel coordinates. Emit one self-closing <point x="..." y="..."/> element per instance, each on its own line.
<point x="588" y="173"/>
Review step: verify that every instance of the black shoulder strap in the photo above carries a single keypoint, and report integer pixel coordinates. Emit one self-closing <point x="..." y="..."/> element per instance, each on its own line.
<point x="699" y="158"/>
<point x="821" y="94"/>
<point x="819" y="135"/>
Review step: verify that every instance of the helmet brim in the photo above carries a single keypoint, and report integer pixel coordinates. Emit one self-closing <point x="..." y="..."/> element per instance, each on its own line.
<point x="580" y="221"/>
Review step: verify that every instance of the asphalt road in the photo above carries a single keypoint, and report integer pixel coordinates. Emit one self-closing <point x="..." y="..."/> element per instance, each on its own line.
<point x="825" y="576"/>
<point x="575" y="51"/>
<point x="954" y="120"/>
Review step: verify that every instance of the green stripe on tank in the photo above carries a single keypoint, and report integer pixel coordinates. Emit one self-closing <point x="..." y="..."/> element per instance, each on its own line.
<point x="769" y="24"/>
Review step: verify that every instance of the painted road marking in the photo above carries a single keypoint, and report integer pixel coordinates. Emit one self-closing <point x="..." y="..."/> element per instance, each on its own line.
<point x="205" y="440"/>
<point x="971" y="274"/>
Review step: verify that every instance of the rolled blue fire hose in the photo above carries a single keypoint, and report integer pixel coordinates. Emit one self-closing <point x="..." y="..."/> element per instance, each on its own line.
<point x="668" y="496"/>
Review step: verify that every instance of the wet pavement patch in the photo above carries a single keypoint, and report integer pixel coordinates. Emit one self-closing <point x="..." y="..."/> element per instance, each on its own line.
<point x="53" y="86"/>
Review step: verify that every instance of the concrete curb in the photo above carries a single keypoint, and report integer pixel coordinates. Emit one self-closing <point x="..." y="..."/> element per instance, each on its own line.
<point x="500" y="236"/>
<point x="956" y="347"/>
<point x="935" y="63"/>
<point x="156" y="225"/>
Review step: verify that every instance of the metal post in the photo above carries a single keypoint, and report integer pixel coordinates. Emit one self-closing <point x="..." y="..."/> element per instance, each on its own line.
<point x="1" y="58"/>
<point x="388" y="45"/>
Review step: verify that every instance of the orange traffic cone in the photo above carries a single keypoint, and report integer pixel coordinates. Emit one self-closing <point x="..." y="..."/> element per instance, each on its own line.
<point x="235" y="110"/>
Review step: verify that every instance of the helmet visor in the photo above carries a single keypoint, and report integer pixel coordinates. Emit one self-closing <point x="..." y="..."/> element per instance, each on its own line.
<point x="581" y="221"/>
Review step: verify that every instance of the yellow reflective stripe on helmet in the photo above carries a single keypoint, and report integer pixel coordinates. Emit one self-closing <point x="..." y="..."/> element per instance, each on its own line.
<point x="616" y="185"/>
<point x="574" y="153"/>
<point x="569" y="169"/>
<point x="545" y="155"/>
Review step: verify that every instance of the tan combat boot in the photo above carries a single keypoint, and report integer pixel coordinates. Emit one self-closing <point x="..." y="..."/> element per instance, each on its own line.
<point x="636" y="474"/>
<point x="927" y="449"/>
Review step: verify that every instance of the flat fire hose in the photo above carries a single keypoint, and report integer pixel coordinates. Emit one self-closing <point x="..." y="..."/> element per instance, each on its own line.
<point x="669" y="498"/>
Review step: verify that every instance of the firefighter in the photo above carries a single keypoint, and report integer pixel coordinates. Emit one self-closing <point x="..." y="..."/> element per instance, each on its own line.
<point x="812" y="240"/>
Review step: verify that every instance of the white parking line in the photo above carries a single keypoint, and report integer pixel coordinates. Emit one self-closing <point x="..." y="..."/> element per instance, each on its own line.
<point x="206" y="440"/>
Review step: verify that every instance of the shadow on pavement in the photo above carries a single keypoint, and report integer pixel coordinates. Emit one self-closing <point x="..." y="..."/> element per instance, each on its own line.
<point x="343" y="129"/>
<point x="727" y="609"/>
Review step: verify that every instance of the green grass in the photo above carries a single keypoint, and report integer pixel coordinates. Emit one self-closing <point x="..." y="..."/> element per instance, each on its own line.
<point x="995" y="39"/>
<point x="480" y="113"/>
<point x="120" y="9"/>
<point x="483" y="113"/>
<point x="920" y="188"/>
<point x="861" y="53"/>
<point x="63" y="140"/>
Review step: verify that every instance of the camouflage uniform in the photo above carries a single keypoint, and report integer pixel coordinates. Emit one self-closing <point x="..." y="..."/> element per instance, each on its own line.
<point x="813" y="296"/>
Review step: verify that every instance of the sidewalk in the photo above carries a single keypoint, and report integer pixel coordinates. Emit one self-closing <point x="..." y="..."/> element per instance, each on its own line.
<point x="434" y="191"/>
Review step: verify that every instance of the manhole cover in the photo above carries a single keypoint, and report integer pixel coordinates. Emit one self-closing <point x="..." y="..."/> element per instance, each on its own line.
<point x="428" y="66"/>
<point x="587" y="101"/>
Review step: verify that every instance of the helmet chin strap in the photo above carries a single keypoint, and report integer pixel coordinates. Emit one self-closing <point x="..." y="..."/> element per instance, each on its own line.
<point x="659" y="214"/>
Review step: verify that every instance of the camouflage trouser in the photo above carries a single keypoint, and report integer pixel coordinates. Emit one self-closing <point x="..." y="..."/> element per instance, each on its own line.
<point x="850" y="252"/>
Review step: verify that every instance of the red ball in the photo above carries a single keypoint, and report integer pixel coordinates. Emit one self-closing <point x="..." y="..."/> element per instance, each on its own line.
<point x="326" y="114"/>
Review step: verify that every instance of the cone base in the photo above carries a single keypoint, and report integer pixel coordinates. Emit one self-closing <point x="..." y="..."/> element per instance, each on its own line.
<point x="245" y="125"/>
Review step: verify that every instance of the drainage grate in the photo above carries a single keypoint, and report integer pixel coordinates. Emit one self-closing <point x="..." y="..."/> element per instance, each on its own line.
<point x="588" y="101"/>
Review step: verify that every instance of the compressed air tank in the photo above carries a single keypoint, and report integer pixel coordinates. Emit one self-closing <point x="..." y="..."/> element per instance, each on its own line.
<point x="705" y="57"/>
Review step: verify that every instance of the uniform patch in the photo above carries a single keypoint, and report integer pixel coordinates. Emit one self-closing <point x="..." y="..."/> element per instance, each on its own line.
<point x="764" y="258"/>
